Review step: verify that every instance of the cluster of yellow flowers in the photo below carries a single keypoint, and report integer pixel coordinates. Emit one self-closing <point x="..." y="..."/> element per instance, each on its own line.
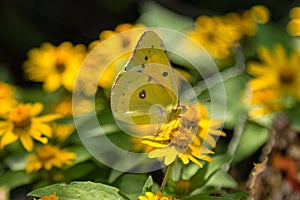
<point x="24" y="121"/>
<point x="220" y="34"/>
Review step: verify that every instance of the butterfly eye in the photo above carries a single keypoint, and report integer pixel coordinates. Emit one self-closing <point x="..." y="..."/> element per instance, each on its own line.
<point x="142" y="94"/>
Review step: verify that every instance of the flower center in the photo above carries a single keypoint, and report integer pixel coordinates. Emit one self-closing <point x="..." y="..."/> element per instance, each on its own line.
<point x="182" y="140"/>
<point x="286" y="76"/>
<point x="20" y="117"/>
<point x="46" y="153"/>
<point x="60" y="67"/>
<point x="210" y="36"/>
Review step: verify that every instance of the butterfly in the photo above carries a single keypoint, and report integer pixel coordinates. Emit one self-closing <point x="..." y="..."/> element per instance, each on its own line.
<point x="145" y="93"/>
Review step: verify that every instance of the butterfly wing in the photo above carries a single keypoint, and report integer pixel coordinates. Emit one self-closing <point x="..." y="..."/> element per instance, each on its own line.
<point x="146" y="92"/>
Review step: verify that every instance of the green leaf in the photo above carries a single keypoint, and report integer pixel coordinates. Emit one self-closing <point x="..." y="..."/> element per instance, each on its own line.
<point x="252" y="138"/>
<point x="80" y="190"/>
<point x="80" y="170"/>
<point x="131" y="184"/>
<point x="293" y="115"/>
<point x="204" y="174"/>
<point x="234" y="90"/>
<point x="82" y="154"/>
<point x="158" y="16"/>
<point x="222" y="179"/>
<point x="148" y="185"/>
<point x="13" y="179"/>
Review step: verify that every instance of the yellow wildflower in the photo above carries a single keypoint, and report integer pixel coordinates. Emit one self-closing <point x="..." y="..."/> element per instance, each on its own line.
<point x="23" y="122"/>
<point x="260" y="14"/>
<point x="55" y="66"/>
<point x="157" y="196"/>
<point x="243" y="23"/>
<point x="62" y="131"/>
<point x="176" y="140"/>
<point x="64" y="107"/>
<point x="293" y="27"/>
<point x="123" y="43"/>
<point x="48" y="156"/>
<point x="6" y="98"/>
<point x="215" y="36"/>
<point x="51" y="197"/>
<point x="278" y="75"/>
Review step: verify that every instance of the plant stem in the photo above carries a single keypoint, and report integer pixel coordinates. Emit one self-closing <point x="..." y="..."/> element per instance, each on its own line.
<point x="163" y="184"/>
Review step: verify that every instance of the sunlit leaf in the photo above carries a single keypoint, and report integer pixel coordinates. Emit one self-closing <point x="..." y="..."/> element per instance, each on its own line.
<point x="80" y="190"/>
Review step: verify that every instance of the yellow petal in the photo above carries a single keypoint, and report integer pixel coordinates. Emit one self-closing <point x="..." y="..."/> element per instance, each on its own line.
<point x="35" y="108"/>
<point x="27" y="142"/>
<point x="47" y="118"/>
<point x="52" y="83"/>
<point x="8" y="138"/>
<point x="171" y="156"/>
<point x="45" y="129"/>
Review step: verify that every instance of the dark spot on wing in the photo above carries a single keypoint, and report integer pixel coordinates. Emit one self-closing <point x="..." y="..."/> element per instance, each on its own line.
<point x="143" y="66"/>
<point x="165" y="74"/>
<point x="152" y="46"/>
<point x="142" y="94"/>
<point x="140" y="71"/>
<point x="146" y="57"/>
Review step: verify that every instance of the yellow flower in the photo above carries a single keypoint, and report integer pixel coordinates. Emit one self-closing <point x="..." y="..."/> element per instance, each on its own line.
<point x="215" y="36"/>
<point x="176" y="140"/>
<point x="55" y="66"/>
<point x="51" y="197"/>
<point x="277" y="75"/>
<point x="293" y="26"/>
<point x="62" y="131"/>
<point x="260" y="14"/>
<point x="23" y="122"/>
<point x="48" y="156"/>
<point x="6" y="98"/>
<point x="243" y="23"/>
<point x="157" y="196"/>
<point x="122" y="43"/>
<point x="64" y="107"/>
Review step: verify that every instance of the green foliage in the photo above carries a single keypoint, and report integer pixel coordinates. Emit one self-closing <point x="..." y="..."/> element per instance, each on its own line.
<point x="13" y="179"/>
<point x="80" y="190"/>
<point x="247" y="144"/>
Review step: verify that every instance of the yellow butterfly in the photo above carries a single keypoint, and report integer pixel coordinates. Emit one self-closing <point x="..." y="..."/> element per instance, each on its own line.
<point x="145" y="92"/>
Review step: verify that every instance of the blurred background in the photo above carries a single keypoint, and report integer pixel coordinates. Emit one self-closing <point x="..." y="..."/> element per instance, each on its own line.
<point x="27" y="24"/>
